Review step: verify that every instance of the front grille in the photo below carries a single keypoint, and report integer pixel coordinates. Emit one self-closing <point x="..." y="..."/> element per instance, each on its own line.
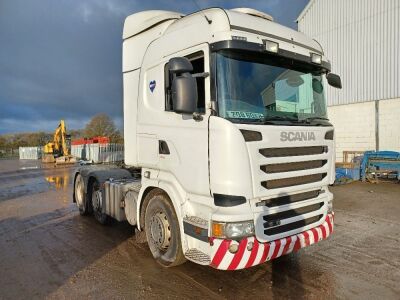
<point x="294" y="151"/>
<point x="285" y="182"/>
<point x="278" y="169"/>
<point x="293" y="166"/>
<point x="291" y="226"/>
<point x="284" y="200"/>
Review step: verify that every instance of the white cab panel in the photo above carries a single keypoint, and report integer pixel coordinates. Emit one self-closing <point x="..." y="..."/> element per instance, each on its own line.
<point x="230" y="171"/>
<point x="134" y="48"/>
<point x="131" y="85"/>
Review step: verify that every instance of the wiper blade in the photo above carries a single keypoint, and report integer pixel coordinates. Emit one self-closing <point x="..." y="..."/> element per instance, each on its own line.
<point x="280" y="118"/>
<point x="245" y="121"/>
<point x="314" y="118"/>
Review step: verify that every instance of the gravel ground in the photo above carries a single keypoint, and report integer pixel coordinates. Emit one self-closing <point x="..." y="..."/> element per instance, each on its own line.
<point x="47" y="250"/>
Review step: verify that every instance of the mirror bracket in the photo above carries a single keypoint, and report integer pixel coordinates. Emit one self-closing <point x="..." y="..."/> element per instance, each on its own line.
<point x="197" y="117"/>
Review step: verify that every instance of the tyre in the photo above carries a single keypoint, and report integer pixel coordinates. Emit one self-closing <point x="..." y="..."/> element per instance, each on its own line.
<point x="80" y="196"/>
<point x="162" y="231"/>
<point x="97" y="203"/>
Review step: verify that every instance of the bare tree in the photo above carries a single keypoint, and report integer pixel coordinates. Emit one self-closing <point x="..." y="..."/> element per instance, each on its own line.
<point x="102" y="125"/>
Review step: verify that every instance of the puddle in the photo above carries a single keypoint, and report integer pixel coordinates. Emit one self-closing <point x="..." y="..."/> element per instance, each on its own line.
<point x="34" y="179"/>
<point x="59" y="182"/>
<point x="29" y="168"/>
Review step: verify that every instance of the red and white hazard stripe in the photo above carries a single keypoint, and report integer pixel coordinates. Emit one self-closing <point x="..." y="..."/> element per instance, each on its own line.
<point x="222" y="259"/>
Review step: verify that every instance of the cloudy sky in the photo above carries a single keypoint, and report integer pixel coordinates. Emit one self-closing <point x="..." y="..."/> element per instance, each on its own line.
<point x="62" y="58"/>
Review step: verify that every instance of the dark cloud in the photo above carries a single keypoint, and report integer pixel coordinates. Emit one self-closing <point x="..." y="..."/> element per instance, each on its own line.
<point x="62" y="59"/>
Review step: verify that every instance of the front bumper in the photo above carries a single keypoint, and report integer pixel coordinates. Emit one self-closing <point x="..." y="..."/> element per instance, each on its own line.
<point x="259" y="253"/>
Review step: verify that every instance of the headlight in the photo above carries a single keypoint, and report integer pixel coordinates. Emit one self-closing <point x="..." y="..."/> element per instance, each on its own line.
<point x="232" y="230"/>
<point x="330" y="206"/>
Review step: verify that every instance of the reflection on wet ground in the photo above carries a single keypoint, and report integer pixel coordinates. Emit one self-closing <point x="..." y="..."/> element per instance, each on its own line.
<point x="60" y="182"/>
<point x="33" y="178"/>
<point x="48" y="250"/>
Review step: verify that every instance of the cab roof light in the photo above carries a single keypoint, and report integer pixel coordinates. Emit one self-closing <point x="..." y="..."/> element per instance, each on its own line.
<point x="316" y="58"/>
<point x="271" y="46"/>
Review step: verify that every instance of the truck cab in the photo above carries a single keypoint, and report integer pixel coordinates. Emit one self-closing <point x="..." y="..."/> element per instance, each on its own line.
<point x="228" y="148"/>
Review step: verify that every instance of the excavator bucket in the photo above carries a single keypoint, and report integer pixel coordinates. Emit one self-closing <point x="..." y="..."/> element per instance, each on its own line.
<point x="64" y="160"/>
<point x="48" y="159"/>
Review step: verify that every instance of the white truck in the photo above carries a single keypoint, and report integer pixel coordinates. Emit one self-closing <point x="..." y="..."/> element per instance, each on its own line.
<point x="228" y="149"/>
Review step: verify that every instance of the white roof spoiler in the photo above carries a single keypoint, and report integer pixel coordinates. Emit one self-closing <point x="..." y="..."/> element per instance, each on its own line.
<point x="144" y="20"/>
<point x="253" y="12"/>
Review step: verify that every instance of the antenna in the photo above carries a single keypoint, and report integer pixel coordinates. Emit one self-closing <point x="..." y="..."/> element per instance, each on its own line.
<point x="198" y="7"/>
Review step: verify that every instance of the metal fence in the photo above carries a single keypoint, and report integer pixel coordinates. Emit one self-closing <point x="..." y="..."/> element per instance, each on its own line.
<point x="99" y="153"/>
<point x="30" y="152"/>
<point x="7" y="153"/>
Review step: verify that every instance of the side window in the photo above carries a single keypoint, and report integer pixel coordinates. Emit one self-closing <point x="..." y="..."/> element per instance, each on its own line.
<point x="197" y="60"/>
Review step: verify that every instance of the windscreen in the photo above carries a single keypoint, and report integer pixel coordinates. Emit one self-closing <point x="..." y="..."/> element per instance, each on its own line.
<point x="262" y="88"/>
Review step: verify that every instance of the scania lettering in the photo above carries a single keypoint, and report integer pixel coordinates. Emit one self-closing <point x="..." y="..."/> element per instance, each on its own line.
<point x="297" y="136"/>
<point x="228" y="149"/>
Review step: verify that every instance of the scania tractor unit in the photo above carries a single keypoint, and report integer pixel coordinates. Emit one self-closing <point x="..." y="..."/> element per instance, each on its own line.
<point x="228" y="149"/>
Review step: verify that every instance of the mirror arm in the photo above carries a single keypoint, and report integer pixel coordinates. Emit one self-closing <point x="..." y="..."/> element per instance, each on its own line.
<point x="202" y="75"/>
<point x="197" y="117"/>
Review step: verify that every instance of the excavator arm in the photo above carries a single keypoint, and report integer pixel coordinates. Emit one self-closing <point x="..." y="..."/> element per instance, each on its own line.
<point x="57" y="150"/>
<point x="60" y="139"/>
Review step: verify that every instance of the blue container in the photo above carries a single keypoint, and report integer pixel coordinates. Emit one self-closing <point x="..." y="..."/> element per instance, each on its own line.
<point x="387" y="160"/>
<point x="347" y="173"/>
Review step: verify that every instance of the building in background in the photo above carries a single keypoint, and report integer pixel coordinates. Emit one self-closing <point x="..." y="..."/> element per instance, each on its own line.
<point x="362" y="40"/>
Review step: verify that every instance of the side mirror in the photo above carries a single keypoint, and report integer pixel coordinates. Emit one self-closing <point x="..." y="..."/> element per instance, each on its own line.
<point x="179" y="65"/>
<point x="334" y="80"/>
<point x="184" y="86"/>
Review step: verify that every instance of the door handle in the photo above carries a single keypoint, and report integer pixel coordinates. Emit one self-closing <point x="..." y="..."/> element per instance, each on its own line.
<point x="163" y="147"/>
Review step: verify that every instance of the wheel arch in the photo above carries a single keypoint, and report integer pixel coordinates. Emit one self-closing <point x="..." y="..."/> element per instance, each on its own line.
<point x="172" y="194"/>
<point x="167" y="189"/>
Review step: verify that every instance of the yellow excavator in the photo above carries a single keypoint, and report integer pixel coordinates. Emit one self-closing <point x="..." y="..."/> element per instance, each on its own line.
<point x="57" y="151"/>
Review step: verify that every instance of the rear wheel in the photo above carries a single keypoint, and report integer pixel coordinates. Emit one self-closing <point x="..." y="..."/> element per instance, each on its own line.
<point x="97" y="204"/>
<point x="80" y="197"/>
<point x="162" y="231"/>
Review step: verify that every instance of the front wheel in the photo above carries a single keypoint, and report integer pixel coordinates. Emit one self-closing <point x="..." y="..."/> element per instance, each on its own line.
<point x="162" y="231"/>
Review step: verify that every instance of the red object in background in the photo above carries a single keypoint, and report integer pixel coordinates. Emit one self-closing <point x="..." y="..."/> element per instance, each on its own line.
<point x="94" y="140"/>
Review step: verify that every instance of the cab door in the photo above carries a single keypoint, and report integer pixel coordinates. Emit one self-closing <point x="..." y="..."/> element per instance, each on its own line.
<point x="180" y="142"/>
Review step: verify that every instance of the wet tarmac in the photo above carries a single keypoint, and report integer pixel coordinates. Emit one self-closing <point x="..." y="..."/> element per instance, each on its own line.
<point x="47" y="250"/>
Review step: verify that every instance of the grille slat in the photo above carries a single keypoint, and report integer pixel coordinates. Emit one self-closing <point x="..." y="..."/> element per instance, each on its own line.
<point x="292" y="212"/>
<point x="284" y="200"/>
<point x="293" y="166"/>
<point x="292" y="226"/>
<point x="294" y="151"/>
<point x="285" y="182"/>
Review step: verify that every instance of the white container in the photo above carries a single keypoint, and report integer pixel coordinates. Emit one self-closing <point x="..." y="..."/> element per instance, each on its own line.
<point x="30" y="152"/>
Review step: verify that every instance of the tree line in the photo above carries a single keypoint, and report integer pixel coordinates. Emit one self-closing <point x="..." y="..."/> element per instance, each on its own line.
<point x="99" y="125"/>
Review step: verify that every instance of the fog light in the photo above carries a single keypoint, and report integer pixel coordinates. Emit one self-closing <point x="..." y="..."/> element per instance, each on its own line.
<point x="316" y="58"/>
<point x="271" y="46"/>
<point x="233" y="248"/>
